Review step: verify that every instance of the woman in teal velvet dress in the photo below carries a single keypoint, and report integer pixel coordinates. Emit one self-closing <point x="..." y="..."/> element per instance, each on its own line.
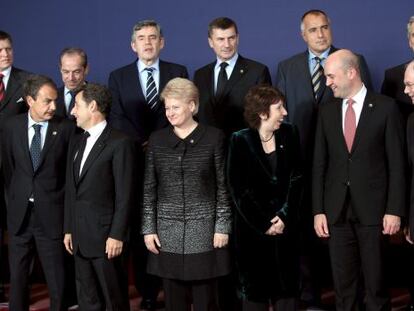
<point x="264" y="178"/>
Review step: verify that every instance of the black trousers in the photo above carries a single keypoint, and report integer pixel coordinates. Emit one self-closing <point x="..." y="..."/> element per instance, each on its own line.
<point x="354" y="248"/>
<point x="102" y="283"/>
<point x="22" y="249"/>
<point x="179" y="295"/>
<point x="284" y="304"/>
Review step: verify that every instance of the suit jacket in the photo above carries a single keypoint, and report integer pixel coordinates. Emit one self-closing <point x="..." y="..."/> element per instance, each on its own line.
<point x="373" y="172"/>
<point x="60" y="103"/>
<point x="226" y="112"/>
<point x="410" y="148"/>
<point x="130" y="112"/>
<point x="46" y="183"/>
<point x="393" y="86"/>
<point x="98" y="206"/>
<point x="13" y="103"/>
<point x="293" y="79"/>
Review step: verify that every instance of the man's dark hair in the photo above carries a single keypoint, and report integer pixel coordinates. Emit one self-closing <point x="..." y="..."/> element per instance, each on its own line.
<point x="314" y="12"/>
<point x="5" y="36"/>
<point x="98" y="93"/>
<point x="34" y="83"/>
<point x="221" y="23"/>
<point x="74" y="51"/>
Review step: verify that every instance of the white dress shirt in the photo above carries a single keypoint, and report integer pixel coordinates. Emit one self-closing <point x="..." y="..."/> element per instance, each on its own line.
<point x="229" y="69"/>
<point x="6" y="76"/>
<point x="94" y="133"/>
<point x="143" y="75"/>
<point x="359" y="103"/>
<point x="31" y="131"/>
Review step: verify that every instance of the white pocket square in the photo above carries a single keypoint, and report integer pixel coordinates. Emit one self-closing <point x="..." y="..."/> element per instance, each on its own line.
<point x="20" y="100"/>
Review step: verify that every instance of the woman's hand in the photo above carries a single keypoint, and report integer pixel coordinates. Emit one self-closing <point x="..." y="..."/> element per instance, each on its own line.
<point x="220" y="240"/>
<point x="152" y="243"/>
<point x="277" y="226"/>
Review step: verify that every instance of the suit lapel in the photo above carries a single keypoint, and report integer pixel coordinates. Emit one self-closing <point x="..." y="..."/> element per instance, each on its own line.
<point x="134" y="80"/>
<point x="338" y="120"/>
<point x="366" y="113"/>
<point x="12" y="86"/>
<point x="209" y="80"/>
<point x="95" y="152"/>
<point x="52" y="132"/>
<point x="256" y="148"/>
<point x="24" y="141"/>
<point x="239" y="70"/>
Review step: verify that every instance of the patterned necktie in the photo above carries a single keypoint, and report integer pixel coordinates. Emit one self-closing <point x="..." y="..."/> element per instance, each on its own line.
<point x="2" y="88"/>
<point x="317" y="78"/>
<point x="71" y="104"/>
<point x="36" y="146"/>
<point x="79" y="155"/>
<point x="151" y="93"/>
<point x="222" y="80"/>
<point x="350" y="124"/>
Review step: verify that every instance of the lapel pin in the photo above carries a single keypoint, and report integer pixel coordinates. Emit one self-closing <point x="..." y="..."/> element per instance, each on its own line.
<point x="241" y="71"/>
<point x="281" y="146"/>
<point x="54" y="133"/>
<point x="370" y="105"/>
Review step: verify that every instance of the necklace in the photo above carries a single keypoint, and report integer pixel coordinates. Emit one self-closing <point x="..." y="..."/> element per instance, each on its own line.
<point x="266" y="140"/>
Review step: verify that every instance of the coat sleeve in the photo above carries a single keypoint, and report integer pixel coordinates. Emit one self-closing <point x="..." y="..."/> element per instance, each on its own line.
<point x="223" y="208"/>
<point x="124" y="169"/>
<point x="365" y="74"/>
<point x="243" y="197"/>
<point x="290" y="208"/>
<point x="69" y="187"/>
<point x="320" y="158"/>
<point x="149" y="211"/>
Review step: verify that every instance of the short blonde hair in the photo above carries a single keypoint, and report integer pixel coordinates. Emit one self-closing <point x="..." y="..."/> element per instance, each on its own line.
<point x="181" y="89"/>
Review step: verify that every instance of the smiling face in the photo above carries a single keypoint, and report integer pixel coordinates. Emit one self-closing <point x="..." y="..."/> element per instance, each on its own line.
<point x="337" y="78"/>
<point x="82" y="111"/>
<point x="317" y="33"/>
<point x="409" y="81"/>
<point x="147" y="44"/>
<point x="275" y="117"/>
<point x="224" y="42"/>
<point x="73" y="71"/>
<point x="179" y="113"/>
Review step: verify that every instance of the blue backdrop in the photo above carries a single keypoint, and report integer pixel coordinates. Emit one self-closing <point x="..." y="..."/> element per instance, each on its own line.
<point x="269" y="30"/>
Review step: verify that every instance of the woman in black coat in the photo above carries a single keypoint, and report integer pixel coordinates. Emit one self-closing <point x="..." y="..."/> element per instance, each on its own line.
<point x="186" y="216"/>
<point x="264" y="180"/>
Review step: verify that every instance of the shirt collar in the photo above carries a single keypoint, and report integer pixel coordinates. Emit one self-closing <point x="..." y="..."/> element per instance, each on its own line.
<point x="33" y="122"/>
<point x="97" y="129"/>
<point x="142" y="66"/>
<point x="6" y="72"/>
<point x="358" y="97"/>
<point x="323" y="55"/>
<point x="232" y="61"/>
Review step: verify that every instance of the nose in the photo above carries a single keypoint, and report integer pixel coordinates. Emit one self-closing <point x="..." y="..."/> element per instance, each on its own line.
<point x="328" y="81"/>
<point x="53" y="105"/>
<point x="319" y="32"/>
<point x="406" y="90"/>
<point x="284" y="112"/>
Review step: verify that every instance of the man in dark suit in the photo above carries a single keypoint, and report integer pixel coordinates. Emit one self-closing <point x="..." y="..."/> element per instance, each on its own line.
<point x="99" y="198"/>
<point x="294" y="79"/>
<point x="11" y="103"/>
<point x="393" y="84"/>
<point x="34" y="162"/>
<point x="358" y="181"/>
<point x="224" y="83"/>
<point x="137" y="111"/>
<point x="74" y="68"/>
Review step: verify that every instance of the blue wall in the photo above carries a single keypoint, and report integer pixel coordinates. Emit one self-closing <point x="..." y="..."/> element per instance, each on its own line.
<point x="269" y="30"/>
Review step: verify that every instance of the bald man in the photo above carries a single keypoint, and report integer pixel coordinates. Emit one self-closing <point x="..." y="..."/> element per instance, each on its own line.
<point x="358" y="181"/>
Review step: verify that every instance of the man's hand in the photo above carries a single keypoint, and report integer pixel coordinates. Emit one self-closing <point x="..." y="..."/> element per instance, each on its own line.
<point x="277" y="226"/>
<point x="152" y="243"/>
<point x="320" y="223"/>
<point x="391" y="224"/>
<point x="220" y="240"/>
<point x="67" y="240"/>
<point x="407" y="235"/>
<point x="113" y="247"/>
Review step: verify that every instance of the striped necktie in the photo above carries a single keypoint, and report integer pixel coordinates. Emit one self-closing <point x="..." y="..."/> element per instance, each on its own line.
<point x="151" y="93"/>
<point x="317" y="78"/>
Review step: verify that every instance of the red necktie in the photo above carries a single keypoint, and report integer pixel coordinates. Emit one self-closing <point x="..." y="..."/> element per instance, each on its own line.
<point x="350" y="124"/>
<point x="2" y="90"/>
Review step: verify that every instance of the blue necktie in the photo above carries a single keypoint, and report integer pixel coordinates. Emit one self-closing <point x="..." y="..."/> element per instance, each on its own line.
<point x="36" y="146"/>
<point x="151" y="93"/>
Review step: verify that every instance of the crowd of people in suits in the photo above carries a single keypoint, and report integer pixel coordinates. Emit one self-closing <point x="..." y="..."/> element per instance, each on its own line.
<point x="224" y="191"/>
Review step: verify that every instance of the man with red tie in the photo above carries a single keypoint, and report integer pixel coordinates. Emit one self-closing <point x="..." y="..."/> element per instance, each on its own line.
<point x="358" y="183"/>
